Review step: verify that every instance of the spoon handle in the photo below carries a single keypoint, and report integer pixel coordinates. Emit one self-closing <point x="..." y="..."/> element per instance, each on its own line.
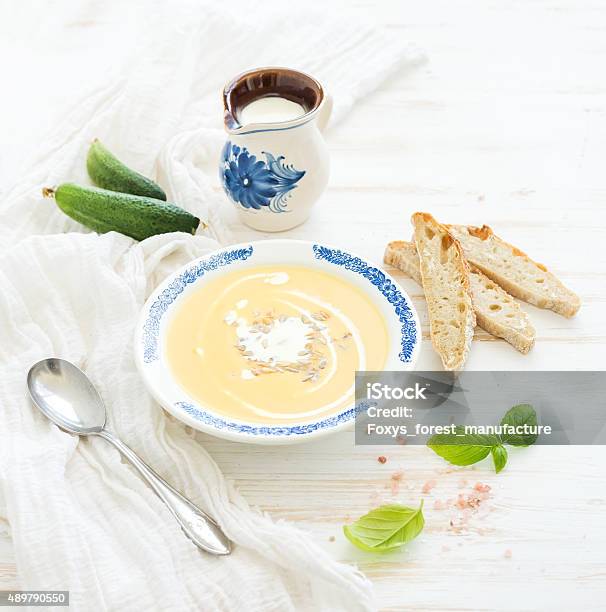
<point x="197" y="525"/>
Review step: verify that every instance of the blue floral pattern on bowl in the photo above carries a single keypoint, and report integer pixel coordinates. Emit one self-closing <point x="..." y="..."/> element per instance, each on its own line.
<point x="392" y="293"/>
<point x="254" y="183"/>
<point x="267" y="430"/>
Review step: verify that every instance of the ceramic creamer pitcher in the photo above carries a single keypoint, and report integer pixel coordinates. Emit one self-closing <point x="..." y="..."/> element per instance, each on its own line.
<point x="274" y="165"/>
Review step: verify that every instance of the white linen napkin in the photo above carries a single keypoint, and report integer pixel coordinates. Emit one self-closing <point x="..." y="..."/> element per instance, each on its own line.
<point x="80" y="518"/>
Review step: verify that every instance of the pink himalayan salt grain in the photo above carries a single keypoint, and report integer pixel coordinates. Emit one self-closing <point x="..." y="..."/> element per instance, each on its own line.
<point x="428" y="486"/>
<point x="396" y="477"/>
<point x="481" y="487"/>
<point x="507" y="554"/>
<point x="461" y="501"/>
<point x="472" y="500"/>
<point x="462" y="483"/>
<point x="439" y="505"/>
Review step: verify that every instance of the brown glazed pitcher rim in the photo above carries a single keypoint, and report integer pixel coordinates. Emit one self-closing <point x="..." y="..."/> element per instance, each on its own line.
<point x="269" y="81"/>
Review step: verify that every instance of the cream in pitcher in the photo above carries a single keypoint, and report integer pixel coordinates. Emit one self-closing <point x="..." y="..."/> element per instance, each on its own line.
<point x="274" y="165"/>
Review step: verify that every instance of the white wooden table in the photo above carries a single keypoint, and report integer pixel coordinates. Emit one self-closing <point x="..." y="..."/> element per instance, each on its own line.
<point x="505" y="125"/>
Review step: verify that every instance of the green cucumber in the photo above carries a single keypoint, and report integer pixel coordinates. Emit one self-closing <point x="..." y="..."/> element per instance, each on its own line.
<point x="136" y="216"/>
<point x="108" y="172"/>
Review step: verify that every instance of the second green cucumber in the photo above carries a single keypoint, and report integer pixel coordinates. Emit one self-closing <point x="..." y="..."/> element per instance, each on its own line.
<point x="108" y="172"/>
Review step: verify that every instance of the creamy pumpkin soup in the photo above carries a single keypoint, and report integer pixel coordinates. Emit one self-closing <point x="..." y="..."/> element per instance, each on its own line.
<point x="275" y="343"/>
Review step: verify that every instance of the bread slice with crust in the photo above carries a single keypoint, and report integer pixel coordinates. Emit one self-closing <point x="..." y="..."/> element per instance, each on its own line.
<point x="445" y="277"/>
<point x="496" y="311"/>
<point x="514" y="270"/>
<point x="403" y="255"/>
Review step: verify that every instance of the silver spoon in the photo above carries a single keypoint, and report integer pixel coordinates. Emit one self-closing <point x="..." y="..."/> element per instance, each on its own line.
<point x="67" y="397"/>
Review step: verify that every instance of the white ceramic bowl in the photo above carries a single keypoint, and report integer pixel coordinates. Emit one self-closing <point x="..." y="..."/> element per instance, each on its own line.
<point x="394" y="304"/>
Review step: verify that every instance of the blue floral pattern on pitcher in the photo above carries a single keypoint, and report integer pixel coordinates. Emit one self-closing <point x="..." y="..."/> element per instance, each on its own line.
<point x="254" y="183"/>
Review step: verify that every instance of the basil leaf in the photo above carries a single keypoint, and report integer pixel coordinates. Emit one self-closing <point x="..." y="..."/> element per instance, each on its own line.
<point x="461" y="448"/>
<point x="522" y="414"/>
<point x="499" y="457"/>
<point x="386" y="528"/>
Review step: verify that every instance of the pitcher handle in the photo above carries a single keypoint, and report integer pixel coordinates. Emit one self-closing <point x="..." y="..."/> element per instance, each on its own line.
<point x="325" y="112"/>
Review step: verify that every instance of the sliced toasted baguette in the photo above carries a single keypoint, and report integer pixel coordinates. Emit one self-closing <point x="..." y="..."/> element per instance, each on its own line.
<point x="499" y="314"/>
<point x="496" y="311"/>
<point x="514" y="270"/>
<point x="403" y="255"/>
<point x="445" y="277"/>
